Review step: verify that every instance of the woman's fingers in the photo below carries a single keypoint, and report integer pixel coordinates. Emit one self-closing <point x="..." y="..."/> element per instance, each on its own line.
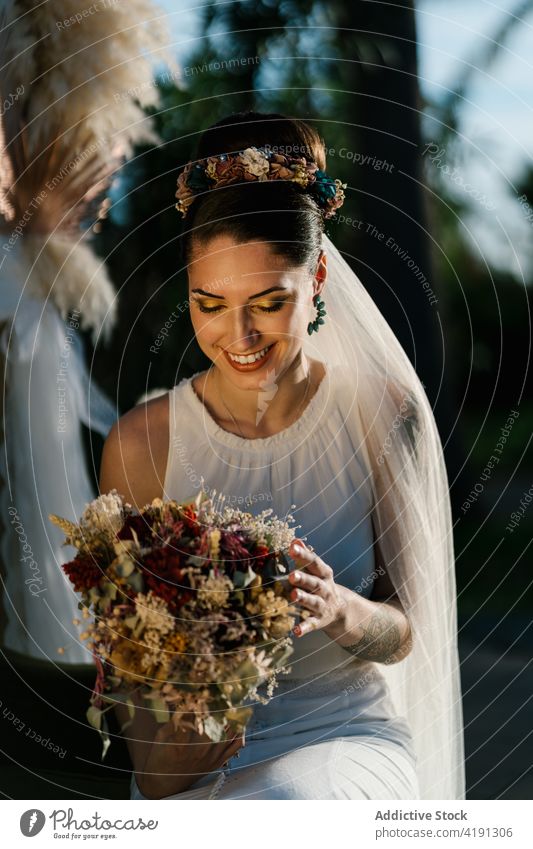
<point x="314" y="603"/>
<point x="305" y="627"/>
<point x="311" y="583"/>
<point x="312" y="563"/>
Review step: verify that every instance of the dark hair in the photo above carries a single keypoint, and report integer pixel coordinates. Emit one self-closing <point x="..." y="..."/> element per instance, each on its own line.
<point x="279" y="212"/>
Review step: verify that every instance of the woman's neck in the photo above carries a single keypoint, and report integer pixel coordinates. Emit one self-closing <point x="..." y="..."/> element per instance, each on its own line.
<point x="259" y="412"/>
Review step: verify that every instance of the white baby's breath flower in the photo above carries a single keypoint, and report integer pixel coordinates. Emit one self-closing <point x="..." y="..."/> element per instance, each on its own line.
<point x="99" y="523"/>
<point x="266" y="528"/>
<point x="214" y="591"/>
<point x="154" y="613"/>
<point x="104" y="515"/>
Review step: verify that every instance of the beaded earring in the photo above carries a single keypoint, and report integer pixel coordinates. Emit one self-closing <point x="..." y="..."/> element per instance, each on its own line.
<point x="315" y="325"/>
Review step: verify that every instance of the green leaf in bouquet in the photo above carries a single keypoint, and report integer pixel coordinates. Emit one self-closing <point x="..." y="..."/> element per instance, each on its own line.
<point x="106" y="742"/>
<point x="238" y="597"/>
<point x="234" y="692"/>
<point x="159" y="708"/>
<point x="104" y="736"/>
<point x="94" y="595"/>
<point x="195" y="560"/>
<point x="94" y="717"/>
<point x="135" y="581"/>
<point x="247" y="673"/>
<point x="97" y="719"/>
<point x="281" y="655"/>
<point x="239" y="716"/>
<point x="238" y="579"/>
<point x="214" y="729"/>
<point x="250" y="575"/>
<point x="125" y="567"/>
<point x="242" y="579"/>
<point x="110" y="590"/>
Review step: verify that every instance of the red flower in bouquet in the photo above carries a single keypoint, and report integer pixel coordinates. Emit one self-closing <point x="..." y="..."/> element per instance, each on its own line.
<point x="235" y="552"/>
<point x="261" y="556"/>
<point x="190" y="520"/>
<point x="138" y="525"/>
<point x="164" y="574"/>
<point x="84" y="572"/>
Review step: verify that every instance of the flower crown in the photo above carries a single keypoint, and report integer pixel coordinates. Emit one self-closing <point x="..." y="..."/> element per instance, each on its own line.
<point x="258" y="163"/>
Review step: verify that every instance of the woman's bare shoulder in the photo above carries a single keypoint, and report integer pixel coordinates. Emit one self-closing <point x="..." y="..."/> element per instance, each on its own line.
<point x="135" y="452"/>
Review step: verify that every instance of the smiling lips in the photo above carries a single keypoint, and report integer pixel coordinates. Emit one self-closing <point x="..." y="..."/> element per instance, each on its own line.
<point x="251" y="362"/>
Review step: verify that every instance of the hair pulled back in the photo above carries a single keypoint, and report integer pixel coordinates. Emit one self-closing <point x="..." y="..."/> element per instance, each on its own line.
<point x="278" y="212"/>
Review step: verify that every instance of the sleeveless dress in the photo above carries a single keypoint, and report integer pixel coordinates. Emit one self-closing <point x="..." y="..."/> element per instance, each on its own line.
<point x="330" y="730"/>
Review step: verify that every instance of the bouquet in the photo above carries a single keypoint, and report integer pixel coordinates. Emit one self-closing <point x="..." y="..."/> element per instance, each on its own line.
<point x="189" y="609"/>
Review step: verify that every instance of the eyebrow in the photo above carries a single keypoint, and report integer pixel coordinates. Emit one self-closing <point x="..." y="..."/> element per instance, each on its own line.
<point x="259" y="294"/>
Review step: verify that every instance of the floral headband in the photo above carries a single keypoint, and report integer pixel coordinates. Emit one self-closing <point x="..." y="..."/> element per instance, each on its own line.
<point x="258" y="163"/>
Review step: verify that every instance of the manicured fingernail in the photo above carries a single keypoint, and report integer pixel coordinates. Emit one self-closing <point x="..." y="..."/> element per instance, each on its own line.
<point x="298" y="550"/>
<point x="296" y="577"/>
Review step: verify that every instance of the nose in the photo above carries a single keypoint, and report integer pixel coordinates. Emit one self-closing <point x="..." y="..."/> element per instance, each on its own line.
<point x="244" y="334"/>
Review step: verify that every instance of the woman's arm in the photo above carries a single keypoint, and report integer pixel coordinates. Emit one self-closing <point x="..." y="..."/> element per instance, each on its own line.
<point x="135" y="453"/>
<point x="167" y="761"/>
<point x="377" y="629"/>
<point x="373" y="630"/>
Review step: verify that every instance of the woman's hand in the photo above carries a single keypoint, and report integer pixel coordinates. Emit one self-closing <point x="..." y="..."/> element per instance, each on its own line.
<point x="315" y="590"/>
<point x="177" y="759"/>
<point x="370" y="630"/>
<point x="166" y="760"/>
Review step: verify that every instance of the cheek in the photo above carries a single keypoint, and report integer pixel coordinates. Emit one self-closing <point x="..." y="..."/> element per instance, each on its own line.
<point x="298" y="318"/>
<point x="287" y="323"/>
<point x="291" y="322"/>
<point x="204" y="327"/>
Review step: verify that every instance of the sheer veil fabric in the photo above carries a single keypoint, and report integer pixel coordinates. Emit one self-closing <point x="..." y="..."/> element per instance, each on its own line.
<point x="402" y="450"/>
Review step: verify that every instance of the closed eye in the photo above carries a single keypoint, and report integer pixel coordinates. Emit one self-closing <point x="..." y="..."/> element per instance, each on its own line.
<point x="277" y="305"/>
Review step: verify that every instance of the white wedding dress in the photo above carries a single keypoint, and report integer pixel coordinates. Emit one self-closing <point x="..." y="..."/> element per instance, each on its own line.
<point x="330" y="731"/>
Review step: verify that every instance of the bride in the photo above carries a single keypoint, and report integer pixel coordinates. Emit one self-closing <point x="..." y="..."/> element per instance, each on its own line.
<point x="309" y="406"/>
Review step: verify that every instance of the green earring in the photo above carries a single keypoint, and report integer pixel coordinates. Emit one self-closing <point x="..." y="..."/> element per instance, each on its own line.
<point x="315" y="325"/>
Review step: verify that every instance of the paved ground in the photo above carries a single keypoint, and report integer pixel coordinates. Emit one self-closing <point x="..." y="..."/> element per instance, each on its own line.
<point x="498" y="714"/>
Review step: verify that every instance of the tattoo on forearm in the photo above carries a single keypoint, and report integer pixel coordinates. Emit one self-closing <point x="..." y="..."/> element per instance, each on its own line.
<point x="381" y="638"/>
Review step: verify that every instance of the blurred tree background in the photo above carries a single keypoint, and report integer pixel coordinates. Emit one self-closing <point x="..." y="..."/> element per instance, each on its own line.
<point x="351" y="70"/>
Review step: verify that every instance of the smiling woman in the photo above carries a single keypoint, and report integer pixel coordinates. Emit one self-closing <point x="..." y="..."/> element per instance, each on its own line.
<point x="249" y="336"/>
<point x="265" y="236"/>
<point x="369" y="708"/>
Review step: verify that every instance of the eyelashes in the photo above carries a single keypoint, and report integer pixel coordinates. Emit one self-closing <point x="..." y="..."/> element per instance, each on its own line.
<point x="274" y="308"/>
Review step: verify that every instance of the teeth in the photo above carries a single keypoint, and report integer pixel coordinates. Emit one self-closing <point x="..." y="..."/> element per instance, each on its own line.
<point x="251" y="358"/>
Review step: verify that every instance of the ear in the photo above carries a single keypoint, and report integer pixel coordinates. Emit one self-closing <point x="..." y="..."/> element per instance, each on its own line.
<point x="321" y="274"/>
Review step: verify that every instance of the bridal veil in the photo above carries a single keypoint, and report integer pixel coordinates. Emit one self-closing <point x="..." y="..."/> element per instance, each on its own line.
<point x="397" y="437"/>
